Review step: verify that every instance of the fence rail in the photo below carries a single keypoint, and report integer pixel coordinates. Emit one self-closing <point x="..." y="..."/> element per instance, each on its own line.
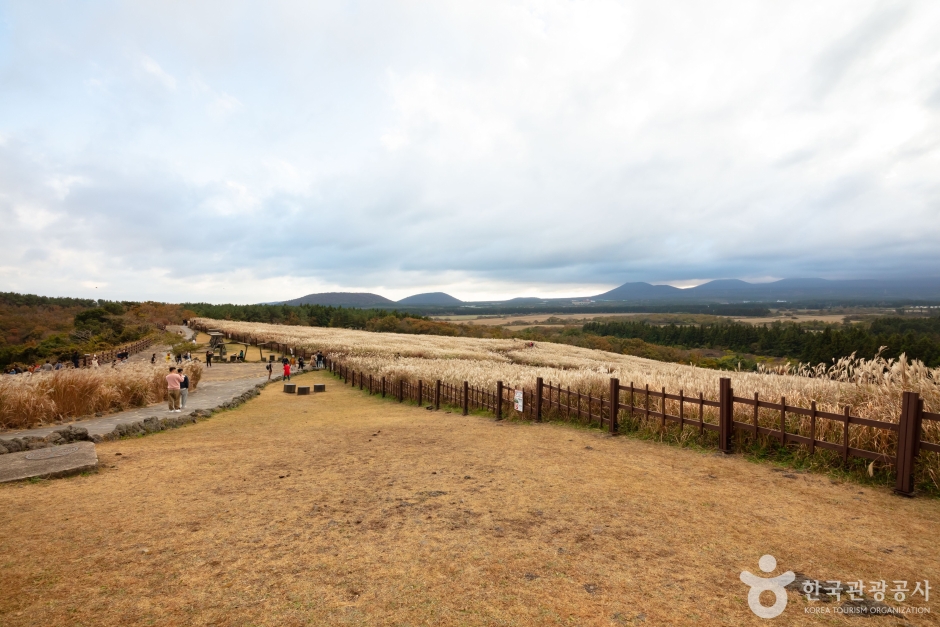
<point x="112" y="354"/>
<point x="727" y="416"/>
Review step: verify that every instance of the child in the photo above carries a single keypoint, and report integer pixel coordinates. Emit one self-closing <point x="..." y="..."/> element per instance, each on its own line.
<point x="286" y="370"/>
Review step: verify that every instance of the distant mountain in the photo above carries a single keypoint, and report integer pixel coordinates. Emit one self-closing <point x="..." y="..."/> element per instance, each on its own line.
<point x="342" y="299"/>
<point x="639" y="291"/>
<point x="718" y="291"/>
<point x="809" y="289"/>
<point x="431" y="298"/>
<point x="522" y="300"/>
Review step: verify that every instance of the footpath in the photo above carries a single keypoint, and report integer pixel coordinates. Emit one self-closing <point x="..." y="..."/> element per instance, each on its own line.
<point x="208" y="396"/>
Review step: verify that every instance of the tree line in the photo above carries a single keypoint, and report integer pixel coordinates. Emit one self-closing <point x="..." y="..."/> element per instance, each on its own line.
<point x="918" y="338"/>
<point x="300" y="315"/>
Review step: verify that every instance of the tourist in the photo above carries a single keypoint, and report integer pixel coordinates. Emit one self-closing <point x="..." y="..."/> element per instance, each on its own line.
<point x="208" y="359"/>
<point x="270" y="368"/>
<point x="173" y="381"/>
<point x="94" y="361"/>
<point x="184" y="387"/>
<point x="241" y="355"/>
<point x="286" y="369"/>
<point x="75" y="359"/>
<point x="168" y="358"/>
<point x="319" y="359"/>
<point x="300" y="362"/>
<point x="47" y="366"/>
<point x="153" y="359"/>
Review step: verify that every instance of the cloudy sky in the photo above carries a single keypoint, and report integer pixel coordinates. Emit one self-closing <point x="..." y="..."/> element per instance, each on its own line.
<point x="245" y="152"/>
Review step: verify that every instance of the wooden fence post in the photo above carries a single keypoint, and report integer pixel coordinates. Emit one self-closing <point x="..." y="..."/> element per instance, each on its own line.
<point x="437" y="394"/>
<point x="538" y="399"/>
<point x="499" y="400"/>
<point x="614" y="405"/>
<point x="725" y="414"/>
<point x="401" y="390"/>
<point x="383" y="387"/>
<point x="466" y="391"/>
<point x="420" y="392"/>
<point x="908" y="442"/>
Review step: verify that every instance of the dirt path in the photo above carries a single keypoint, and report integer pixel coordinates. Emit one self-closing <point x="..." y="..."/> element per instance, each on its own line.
<point x="338" y="508"/>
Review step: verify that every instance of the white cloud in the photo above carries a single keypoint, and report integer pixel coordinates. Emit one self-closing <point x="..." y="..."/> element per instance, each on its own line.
<point x="62" y="185"/>
<point x="487" y="148"/>
<point x="218" y="104"/>
<point x="153" y="68"/>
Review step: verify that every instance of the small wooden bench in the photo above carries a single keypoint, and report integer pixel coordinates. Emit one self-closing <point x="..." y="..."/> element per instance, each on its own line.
<point x="319" y="387"/>
<point x="290" y="388"/>
<point x="303" y="390"/>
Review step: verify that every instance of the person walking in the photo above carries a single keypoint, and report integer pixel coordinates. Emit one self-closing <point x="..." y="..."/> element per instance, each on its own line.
<point x="208" y="359"/>
<point x="153" y="359"/>
<point x="184" y="388"/>
<point x="286" y="369"/>
<point x="319" y="359"/>
<point x="300" y="362"/>
<point x="75" y="359"/>
<point x="270" y="368"/>
<point x="168" y="357"/>
<point x="173" y="381"/>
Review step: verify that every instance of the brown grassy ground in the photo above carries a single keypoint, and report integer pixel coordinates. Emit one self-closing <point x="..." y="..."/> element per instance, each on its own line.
<point x="231" y="372"/>
<point x="341" y="509"/>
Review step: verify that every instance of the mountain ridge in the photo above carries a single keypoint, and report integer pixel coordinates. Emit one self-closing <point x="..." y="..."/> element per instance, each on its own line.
<point x="716" y="291"/>
<point x="341" y="299"/>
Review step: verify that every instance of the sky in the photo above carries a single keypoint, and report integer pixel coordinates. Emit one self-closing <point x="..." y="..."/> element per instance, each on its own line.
<point x="250" y="152"/>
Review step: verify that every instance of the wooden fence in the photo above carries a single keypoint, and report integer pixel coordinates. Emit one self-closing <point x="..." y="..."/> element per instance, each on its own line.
<point x="726" y="416"/>
<point x="112" y="354"/>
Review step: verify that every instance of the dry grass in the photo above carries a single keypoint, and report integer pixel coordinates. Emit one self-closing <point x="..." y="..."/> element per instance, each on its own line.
<point x="391" y="515"/>
<point x="31" y="400"/>
<point x="808" y="317"/>
<point x="870" y="388"/>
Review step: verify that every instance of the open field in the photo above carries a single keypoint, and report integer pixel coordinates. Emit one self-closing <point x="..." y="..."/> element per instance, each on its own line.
<point x="800" y="317"/>
<point x="532" y="319"/>
<point x="870" y="389"/>
<point x="543" y="319"/>
<point x="344" y="509"/>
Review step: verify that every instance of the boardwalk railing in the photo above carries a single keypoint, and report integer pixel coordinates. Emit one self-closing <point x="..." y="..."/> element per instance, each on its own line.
<point x="727" y="416"/>
<point x="111" y="355"/>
